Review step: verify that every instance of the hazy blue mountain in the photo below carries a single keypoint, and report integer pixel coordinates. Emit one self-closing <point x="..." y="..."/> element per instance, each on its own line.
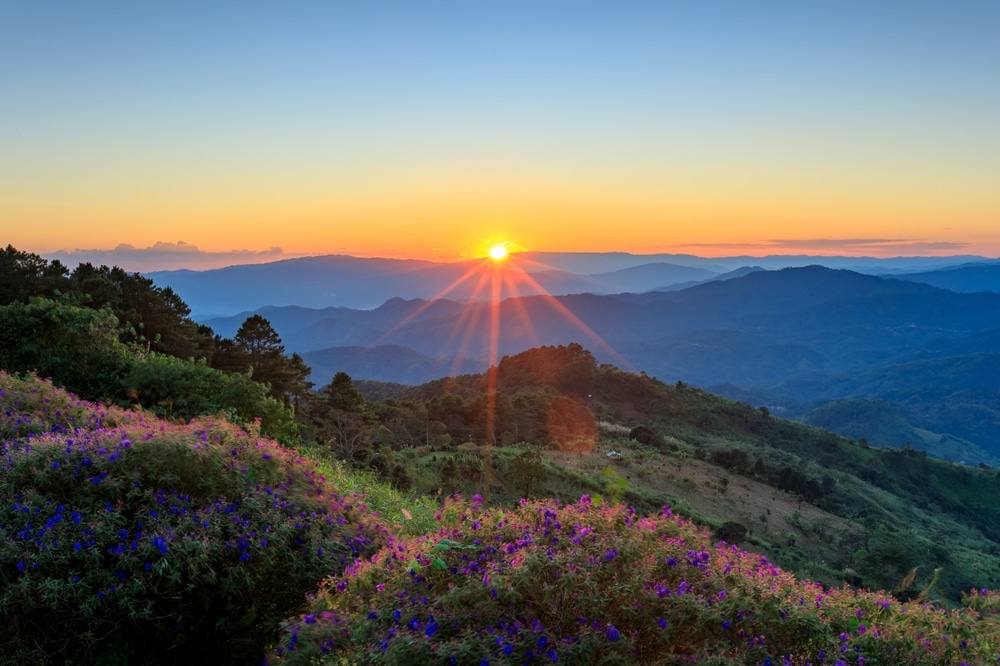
<point x="603" y="262"/>
<point x="647" y="277"/>
<point x="361" y="283"/>
<point x="790" y="339"/>
<point x="972" y="277"/>
<point x="365" y="283"/>
<point x="384" y="363"/>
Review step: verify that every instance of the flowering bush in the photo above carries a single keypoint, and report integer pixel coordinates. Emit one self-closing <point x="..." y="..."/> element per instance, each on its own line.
<point x="581" y="583"/>
<point x="126" y="539"/>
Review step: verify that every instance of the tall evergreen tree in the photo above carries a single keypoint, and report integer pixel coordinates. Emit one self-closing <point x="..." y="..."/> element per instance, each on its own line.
<point x="24" y="275"/>
<point x="258" y="346"/>
<point x="261" y="343"/>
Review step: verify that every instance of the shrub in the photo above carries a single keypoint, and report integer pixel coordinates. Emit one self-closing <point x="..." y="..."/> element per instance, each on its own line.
<point x="175" y="388"/>
<point x="125" y="539"/>
<point x="583" y="584"/>
<point x="76" y="346"/>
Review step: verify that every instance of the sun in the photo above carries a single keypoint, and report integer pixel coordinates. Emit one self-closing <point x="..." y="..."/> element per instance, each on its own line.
<point x="498" y="252"/>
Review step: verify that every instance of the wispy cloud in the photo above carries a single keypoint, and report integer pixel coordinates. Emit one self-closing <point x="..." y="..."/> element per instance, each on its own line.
<point x="165" y="256"/>
<point x="847" y="246"/>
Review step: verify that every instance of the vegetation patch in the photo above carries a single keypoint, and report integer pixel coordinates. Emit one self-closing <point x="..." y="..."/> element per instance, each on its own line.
<point x="128" y="539"/>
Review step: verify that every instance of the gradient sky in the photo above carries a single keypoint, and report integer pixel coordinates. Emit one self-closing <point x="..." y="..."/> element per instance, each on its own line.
<point x="430" y="129"/>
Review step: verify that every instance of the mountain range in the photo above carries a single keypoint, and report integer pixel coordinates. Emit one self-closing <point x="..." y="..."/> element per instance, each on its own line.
<point x="806" y="342"/>
<point x="366" y="283"/>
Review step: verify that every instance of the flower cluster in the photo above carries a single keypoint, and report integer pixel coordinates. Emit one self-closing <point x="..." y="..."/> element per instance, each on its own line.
<point x="124" y="533"/>
<point x="582" y="583"/>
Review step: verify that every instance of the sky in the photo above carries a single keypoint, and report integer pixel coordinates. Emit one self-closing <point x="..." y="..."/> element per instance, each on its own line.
<point x="224" y="132"/>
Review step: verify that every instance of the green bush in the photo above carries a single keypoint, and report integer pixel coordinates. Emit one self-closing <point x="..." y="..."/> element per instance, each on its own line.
<point x="78" y="347"/>
<point x="175" y="388"/>
<point x="129" y="540"/>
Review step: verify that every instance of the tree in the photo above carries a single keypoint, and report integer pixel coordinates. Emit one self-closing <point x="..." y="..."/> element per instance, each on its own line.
<point x="341" y="394"/>
<point x="24" y="275"/>
<point x="266" y="355"/>
<point x="154" y="316"/>
<point x="296" y="385"/>
<point x="527" y="470"/>
<point x="338" y="418"/>
<point x="259" y="340"/>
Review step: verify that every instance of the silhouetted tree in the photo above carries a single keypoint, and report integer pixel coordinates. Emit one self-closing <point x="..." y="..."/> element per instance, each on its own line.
<point x="24" y="275"/>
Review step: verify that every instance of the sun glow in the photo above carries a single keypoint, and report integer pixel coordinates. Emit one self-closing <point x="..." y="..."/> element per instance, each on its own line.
<point x="499" y="280"/>
<point x="498" y="252"/>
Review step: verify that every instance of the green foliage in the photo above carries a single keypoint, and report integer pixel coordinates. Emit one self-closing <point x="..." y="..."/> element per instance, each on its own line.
<point x="24" y="276"/>
<point x="527" y="471"/>
<point x="78" y="347"/>
<point x="180" y="389"/>
<point x="153" y="317"/>
<point x="124" y="539"/>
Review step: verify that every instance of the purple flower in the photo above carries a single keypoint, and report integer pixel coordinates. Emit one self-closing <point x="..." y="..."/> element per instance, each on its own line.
<point x="611" y="633"/>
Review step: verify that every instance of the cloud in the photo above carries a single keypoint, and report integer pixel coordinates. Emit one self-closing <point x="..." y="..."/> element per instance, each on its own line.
<point x="847" y="246"/>
<point x="165" y="256"/>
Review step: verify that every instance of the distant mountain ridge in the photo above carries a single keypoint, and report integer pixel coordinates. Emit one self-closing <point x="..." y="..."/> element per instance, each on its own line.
<point x="366" y="283"/>
<point x="971" y="277"/>
<point x="790" y="339"/>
